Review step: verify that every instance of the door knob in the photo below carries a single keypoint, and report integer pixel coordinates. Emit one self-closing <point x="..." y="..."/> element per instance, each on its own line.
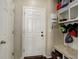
<point x="42" y="35"/>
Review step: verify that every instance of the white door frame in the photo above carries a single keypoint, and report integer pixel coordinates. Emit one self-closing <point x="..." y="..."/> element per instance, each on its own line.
<point x="24" y="7"/>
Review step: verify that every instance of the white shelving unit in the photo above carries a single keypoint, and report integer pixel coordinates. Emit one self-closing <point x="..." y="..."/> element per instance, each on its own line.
<point x="70" y="12"/>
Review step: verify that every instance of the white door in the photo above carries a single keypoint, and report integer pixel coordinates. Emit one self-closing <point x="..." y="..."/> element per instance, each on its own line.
<point x="33" y="37"/>
<point x="6" y="29"/>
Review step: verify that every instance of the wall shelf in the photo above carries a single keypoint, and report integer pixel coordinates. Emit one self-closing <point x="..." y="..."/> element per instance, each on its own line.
<point x="68" y="21"/>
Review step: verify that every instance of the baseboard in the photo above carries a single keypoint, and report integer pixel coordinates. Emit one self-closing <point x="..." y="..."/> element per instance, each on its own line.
<point x="44" y="55"/>
<point x="48" y="57"/>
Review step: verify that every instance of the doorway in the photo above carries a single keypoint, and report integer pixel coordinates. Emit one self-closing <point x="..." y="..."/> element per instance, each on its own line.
<point x="33" y="31"/>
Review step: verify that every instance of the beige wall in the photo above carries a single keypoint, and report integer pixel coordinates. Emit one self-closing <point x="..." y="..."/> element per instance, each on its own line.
<point x="18" y="24"/>
<point x="50" y="31"/>
<point x="18" y="36"/>
<point x="58" y="35"/>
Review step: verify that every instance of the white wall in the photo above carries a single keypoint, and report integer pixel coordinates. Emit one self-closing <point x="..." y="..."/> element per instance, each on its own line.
<point x="18" y="24"/>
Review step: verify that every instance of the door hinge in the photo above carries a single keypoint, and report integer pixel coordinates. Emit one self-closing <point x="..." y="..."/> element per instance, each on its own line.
<point x="13" y="32"/>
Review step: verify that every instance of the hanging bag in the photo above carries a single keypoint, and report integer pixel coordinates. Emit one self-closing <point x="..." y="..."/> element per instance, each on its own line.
<point x="68" y="38"/>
